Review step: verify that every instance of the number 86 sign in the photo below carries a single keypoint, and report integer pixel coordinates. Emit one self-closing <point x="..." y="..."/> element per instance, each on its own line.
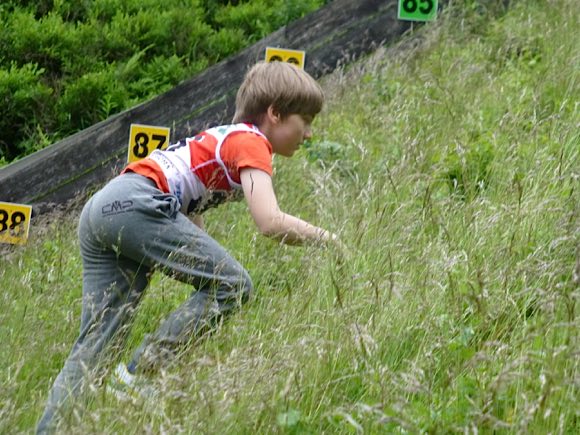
<point x="14" y="222"/>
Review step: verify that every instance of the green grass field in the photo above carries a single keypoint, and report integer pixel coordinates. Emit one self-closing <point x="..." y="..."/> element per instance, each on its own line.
<point x="449" y="165"/>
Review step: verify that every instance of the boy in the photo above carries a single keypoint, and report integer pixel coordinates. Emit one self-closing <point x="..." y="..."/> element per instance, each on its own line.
<point x="137" y="223"/>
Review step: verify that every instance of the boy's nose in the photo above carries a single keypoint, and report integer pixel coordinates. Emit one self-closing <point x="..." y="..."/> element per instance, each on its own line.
<point x="307" y="133"/>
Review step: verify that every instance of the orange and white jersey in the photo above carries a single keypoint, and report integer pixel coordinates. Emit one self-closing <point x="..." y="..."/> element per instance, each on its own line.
<point x="203" y="171"/>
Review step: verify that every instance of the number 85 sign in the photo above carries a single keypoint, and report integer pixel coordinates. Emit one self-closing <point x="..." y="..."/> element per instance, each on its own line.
<point x="417" y="10"/>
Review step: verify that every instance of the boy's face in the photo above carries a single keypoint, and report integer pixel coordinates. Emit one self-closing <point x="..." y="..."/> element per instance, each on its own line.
<point x="288" y="133"/>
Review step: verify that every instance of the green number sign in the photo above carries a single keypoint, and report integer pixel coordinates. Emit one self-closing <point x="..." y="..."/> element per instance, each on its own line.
<point x="417" y="10"/>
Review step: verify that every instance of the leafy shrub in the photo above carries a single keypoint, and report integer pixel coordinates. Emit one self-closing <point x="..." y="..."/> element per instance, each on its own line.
<point x="92" y="97"/>
<point x="47" y="42"/>
<point x="224" y="42"/>
<point x="24" y="103"/>
<point x="75" y="63"/>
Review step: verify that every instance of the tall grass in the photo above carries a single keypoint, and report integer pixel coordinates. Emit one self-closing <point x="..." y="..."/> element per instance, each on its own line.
<point x="449" y="165"/>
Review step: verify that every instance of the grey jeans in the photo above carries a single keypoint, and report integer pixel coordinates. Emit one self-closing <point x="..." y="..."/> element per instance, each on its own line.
<point x="126" y="230"/>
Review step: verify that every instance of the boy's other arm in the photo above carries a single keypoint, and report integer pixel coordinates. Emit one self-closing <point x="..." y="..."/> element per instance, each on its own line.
<point x="197" y="219"/>
<point x="271" y="221"/>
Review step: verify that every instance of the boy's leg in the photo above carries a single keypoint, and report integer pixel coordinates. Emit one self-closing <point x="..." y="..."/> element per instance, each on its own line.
<point x="221" y="283"/>
<point x="112" y="287"/>
<point x="151" y="231"/>
<point x="100" y="324"/>
<point x="136" y="223"/>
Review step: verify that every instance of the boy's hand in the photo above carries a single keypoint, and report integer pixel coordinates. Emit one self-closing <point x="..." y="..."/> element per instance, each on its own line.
<point x="198" y="220"/>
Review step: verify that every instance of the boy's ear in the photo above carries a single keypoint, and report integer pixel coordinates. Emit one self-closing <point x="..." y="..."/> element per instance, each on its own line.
<point x="273" y="114"/>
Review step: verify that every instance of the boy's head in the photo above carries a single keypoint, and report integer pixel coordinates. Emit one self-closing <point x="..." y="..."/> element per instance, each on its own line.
<point x="288" y="89"/>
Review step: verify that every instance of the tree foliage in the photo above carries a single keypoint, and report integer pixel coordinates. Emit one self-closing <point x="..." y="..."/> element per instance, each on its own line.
<point x="65" y="65"/>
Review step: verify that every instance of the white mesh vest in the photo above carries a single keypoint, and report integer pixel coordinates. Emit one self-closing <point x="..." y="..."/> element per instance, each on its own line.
<point x="192" y="193"/>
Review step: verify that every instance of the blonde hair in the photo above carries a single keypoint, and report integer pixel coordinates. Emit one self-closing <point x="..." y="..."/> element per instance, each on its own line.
<point x="288" y="89"/>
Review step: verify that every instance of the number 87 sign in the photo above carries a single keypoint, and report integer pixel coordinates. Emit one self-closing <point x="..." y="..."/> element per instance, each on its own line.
<point x="143" y="139"/>
<point x="417" y="10"/>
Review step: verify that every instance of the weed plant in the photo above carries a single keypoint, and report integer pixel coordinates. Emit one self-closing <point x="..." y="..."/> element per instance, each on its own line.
<point x="449" y="165"/>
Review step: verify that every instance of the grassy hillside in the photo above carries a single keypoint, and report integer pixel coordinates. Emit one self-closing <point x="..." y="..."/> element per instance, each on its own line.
<point x="450" y="167"/>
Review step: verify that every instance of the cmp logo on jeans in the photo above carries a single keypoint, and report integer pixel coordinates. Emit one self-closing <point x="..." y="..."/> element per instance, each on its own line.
<point x="117" y="207"/>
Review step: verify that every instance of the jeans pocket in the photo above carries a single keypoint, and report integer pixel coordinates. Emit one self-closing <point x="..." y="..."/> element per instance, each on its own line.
<point x="167" y="205"/>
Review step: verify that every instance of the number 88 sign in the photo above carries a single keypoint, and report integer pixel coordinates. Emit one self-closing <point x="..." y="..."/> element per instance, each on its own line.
<point x="417" y="10"/>
<point x="14" y="222"/>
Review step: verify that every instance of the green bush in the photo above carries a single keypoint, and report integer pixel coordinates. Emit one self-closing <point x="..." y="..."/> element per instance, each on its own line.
<point x="92" y="97"/>
<point x="48" y="42"/>
<point x="67" y="65"/>
<point x="24" y="104"/>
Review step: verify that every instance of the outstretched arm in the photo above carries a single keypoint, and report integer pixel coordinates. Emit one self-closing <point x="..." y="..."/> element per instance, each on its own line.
<point x="271" y="221"/>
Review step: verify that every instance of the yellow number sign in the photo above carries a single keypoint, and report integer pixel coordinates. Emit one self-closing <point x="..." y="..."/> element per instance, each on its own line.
<point x="14" y="223"/>
<point x="143" y="139"/>
<point x="296" y="57"/>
